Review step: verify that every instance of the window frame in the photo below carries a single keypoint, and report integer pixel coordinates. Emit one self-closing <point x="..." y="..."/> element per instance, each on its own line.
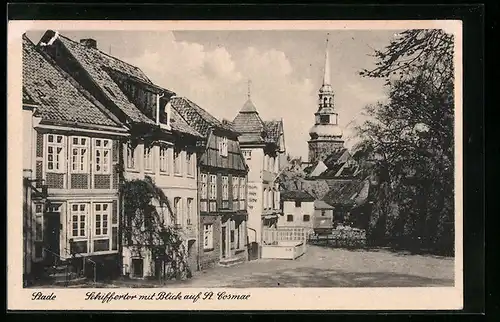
<point x="212" y="192"/>
<point x="131" y="160"/>
<point x="288" y="218"/>
<point x="304" y="218"/>
<point x="208" y="237"/>
<point x="101" y="213"/>
<point x="79" y="213"/>
<point x="177" y="161"/>
<point x="148" y="155"/>
<point x="189" y="164"/>
<point x="83" y="162"/>
<point x="223" y="147"/>
<point x="189" y="211"/>
<point x="298" y="203"/>
<point x="58" y="158"/>
<point x="178" y="211"/>
<point x="102" y="149"/>
<point x="164" y="160"/>
<point x="225" y="188"/>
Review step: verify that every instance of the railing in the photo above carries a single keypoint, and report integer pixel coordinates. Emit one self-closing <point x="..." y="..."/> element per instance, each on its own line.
<point x="57" y="258"/>
<point x="94" y="264"/>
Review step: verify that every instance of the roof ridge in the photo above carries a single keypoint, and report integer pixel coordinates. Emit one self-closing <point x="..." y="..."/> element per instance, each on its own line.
<point x="106" y="54"/>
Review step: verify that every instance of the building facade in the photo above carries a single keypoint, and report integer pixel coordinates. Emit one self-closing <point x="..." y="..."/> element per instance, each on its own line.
<point x="160" y="144"/>
<point x="75" y="158"/>
<point x="298" y="210"/>
<point x="222" y="188"/>
<point x="263" y="146"/>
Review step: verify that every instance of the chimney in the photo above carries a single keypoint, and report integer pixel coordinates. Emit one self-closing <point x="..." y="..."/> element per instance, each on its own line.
<point x="89" y="43"/>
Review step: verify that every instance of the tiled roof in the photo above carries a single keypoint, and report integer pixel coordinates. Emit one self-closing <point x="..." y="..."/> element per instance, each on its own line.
<point x="95" y="63"/>
<point x="178" y="124"/>
<point x="296" y="195"/>
<point x="320" y="204"/>
<point x="197" y="117"/>
<point x="27" y="99"/>
<point x="58" y="98"/>
<point x="248" y="107"/>
<point x="273" y="129"/>
<point x="343" y="191"/>
<point x="333" y="157"/>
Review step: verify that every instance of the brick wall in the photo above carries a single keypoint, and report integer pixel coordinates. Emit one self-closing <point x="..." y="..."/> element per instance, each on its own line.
<point x="210" y="258"/>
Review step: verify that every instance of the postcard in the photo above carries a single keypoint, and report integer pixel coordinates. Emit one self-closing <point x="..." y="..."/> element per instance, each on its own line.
<point x="235" y="165"/>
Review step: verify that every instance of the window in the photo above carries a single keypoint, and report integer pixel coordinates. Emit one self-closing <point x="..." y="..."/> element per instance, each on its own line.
<point x="177" y="161"/>
<point x="324" y="119"/>
<point x="265" y="199"/>
<point x="270" y="198"/>
<point x="322" y="213"/>
<point x="189" y="211"/>
<point x="79" y="155"/>
<point x="55" y="153"/>
<point x="79" y="220"/>
<point x="189" y="163"/>
<point x="247" y="154"/>
<point x="204" y="190"/>
<point x="137" y="267"/>
<point x="223" y="147"/>
<point x="130" y="157"/>
<point x="177" y="210"/>
<point x="271" y="164"/>
<point x="213" y="187"/>
<point x="225" y="188"/>
<point x="102" y="153"/>
<point x="298" y="203"/>
<point x="236" y="188"/>
<point x="306" y="218"/>
<point x="208" y="236"/>
<point x="164" y="160"/>
<point x="289" y="218"/>
<point x="101" y="219"/>
<point x="243" y="193"/>
<point x="148" y="158"/>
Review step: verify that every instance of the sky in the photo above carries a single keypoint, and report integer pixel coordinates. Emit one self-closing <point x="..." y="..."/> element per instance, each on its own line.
<point x="212" y="68"/>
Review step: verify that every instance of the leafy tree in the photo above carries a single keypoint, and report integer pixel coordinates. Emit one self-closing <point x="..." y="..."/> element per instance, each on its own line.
<point x="147" y="227"/>
<point x="409" y="140"/>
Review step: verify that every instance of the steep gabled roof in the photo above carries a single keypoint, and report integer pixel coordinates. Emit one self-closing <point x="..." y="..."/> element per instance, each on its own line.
<point x="344" y="192"/>
<point x="58" y="98"/>
<point x="95" y="63"/>
<point x="197" y="117"/>
<point x="296" y="195"/>
<point x="273" y="130"/>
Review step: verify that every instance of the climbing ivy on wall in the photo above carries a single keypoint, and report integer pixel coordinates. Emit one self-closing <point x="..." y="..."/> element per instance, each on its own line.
<point x="148" y="225"/>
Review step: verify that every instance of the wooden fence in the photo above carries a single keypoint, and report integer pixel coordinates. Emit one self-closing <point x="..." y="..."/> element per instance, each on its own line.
<point x="273" y="236"/>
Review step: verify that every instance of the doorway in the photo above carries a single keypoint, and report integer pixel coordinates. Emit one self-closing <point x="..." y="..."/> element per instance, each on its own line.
<point x="51" y="236"/>
<point x="223" y="242"/>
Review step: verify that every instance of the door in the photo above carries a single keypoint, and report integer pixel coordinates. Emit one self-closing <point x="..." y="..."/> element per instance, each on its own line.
<point x="52" y="236"/>
<point x="223" y="242"/>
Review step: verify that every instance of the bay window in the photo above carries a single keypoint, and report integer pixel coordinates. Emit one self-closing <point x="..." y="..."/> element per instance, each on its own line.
<point x="102" y="156"/>
<point x="79" y="155"/>
<point x="55" y="153"/>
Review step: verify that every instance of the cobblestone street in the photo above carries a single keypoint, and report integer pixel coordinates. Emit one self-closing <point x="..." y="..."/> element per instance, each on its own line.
<point x="326" y="267"/>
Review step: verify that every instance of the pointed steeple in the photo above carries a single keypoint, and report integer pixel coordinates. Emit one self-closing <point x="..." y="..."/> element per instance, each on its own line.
<point x="249" y="107"/>
<point x="326" y="77"/>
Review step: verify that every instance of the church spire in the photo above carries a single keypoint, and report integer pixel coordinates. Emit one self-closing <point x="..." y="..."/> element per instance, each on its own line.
<point x="326" y="77"/>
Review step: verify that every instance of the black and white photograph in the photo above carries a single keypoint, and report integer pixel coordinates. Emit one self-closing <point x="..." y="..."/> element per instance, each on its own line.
<point x="221" y="159"/>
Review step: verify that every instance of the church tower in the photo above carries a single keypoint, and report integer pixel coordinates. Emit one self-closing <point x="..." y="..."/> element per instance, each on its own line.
<point x="326" y="134"/>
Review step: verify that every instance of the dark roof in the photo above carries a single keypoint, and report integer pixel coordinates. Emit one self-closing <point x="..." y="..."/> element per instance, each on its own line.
<point x="343" y="191"/>
<point x="298" y="195"/>
<point x="178" y="124"/>
<point x="197" y="117"/>
<point x="320" y="204"/>
<point x="27" y="99"/>
<point x="273" y="130"/>
<point x="333" y="157"/>
<point x="95" y="62"/>
<point x="57" y="97"/>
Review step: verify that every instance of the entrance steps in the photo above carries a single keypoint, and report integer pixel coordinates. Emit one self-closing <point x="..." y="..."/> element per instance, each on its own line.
<point x="64" y="274"/>
<point x="228" y="262"/>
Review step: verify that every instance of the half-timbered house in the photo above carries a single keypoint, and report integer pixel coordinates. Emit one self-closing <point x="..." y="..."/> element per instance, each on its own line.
<point x="161" y="144"/>
<point x="222" y="187"/>
<point x="75" y="155"/>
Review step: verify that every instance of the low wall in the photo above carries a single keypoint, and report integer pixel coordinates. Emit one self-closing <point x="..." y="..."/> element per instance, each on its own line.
<point x="283" y="250"/>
